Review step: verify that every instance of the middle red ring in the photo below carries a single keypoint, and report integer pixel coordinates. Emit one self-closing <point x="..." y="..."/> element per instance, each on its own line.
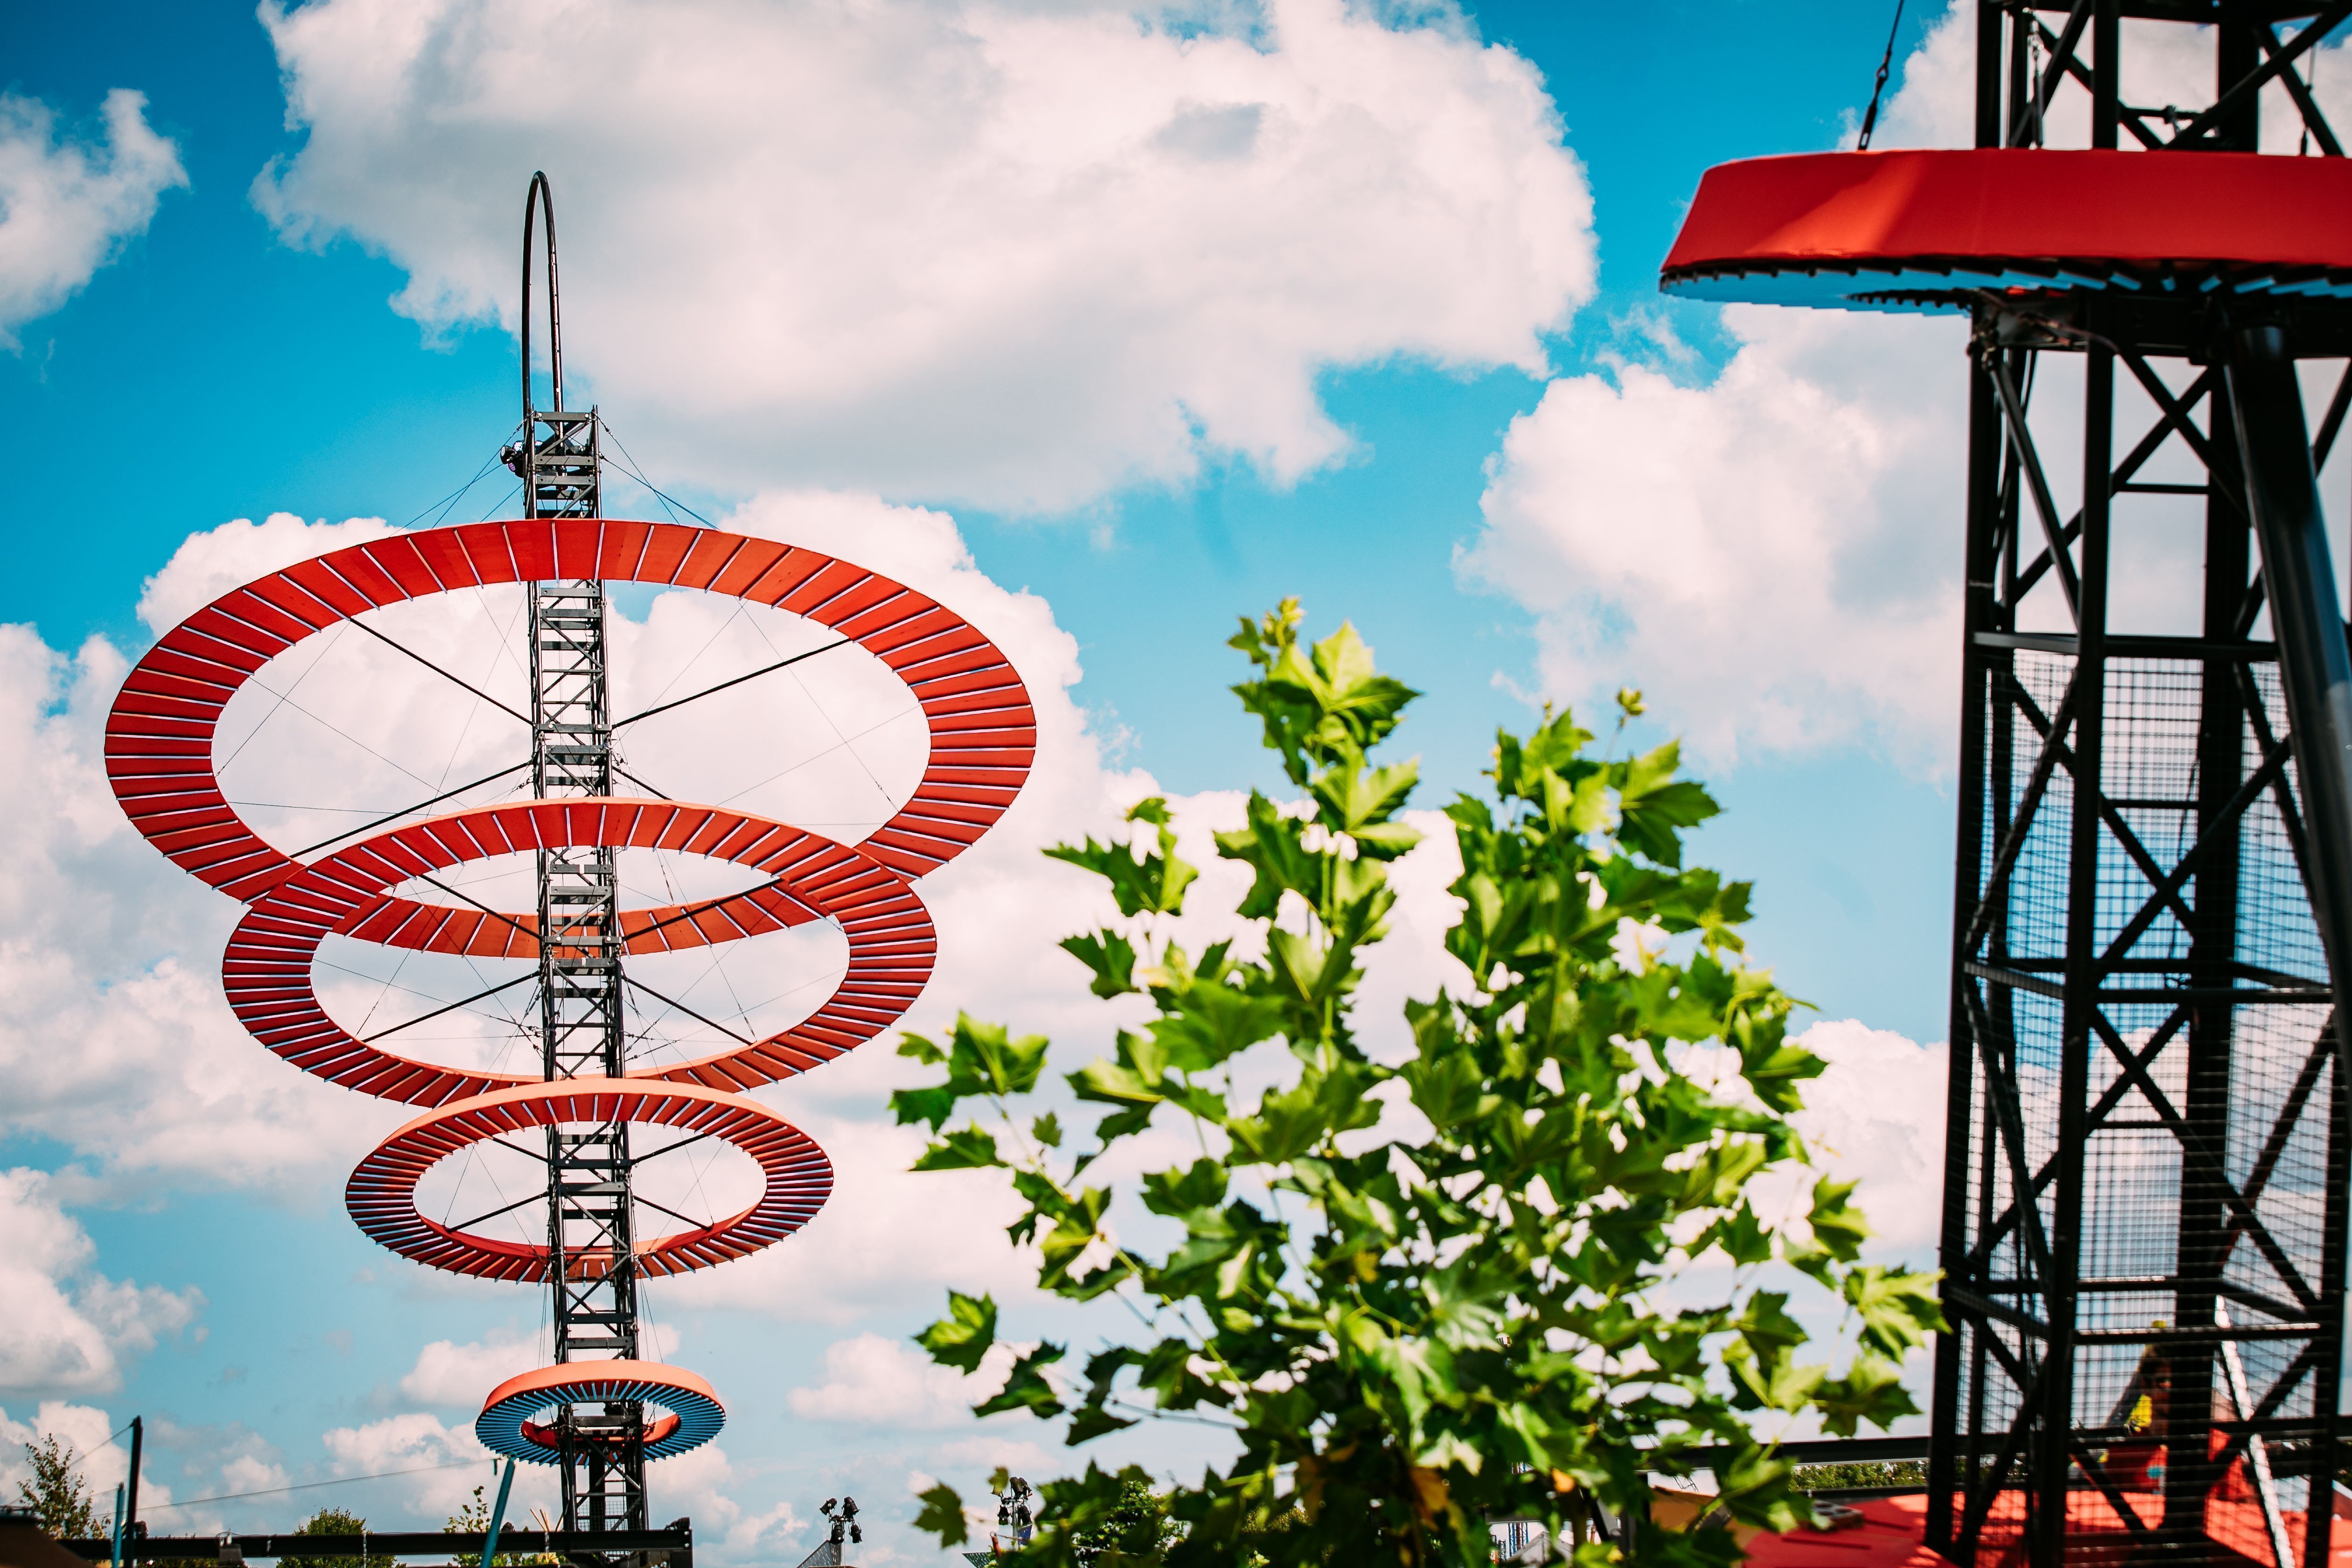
<point x="796" y="1176"/>
<point x="266" y="969"/>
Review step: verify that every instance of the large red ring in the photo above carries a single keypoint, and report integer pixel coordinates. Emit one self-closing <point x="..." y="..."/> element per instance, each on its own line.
<point x="268" y="969"/>
<point x="159" y="737"/>
<point x="382" y="1194"/>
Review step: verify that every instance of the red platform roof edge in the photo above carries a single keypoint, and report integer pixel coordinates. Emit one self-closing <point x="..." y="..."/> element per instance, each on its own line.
<point x="2019" y="203"/>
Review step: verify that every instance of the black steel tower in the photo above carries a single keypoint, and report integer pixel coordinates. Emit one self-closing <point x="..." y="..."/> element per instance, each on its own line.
<point x="592" y="1256"/>
<point x="2144" y="1198"/>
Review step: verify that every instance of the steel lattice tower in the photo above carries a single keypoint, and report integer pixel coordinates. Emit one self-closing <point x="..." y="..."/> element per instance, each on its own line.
<point x="594" y="1310"/>
<point x="2142" y="1017"/>
<point x="2144" y="1234"/>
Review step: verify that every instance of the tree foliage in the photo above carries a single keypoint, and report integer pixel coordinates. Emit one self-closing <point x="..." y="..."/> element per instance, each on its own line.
<point x="336" y="1521"/>
<point x="58" y="1494"/>
<point x="1132" y="1530"/>
<point x="473" y="1518"/>
<point x="1410" y="1333"/>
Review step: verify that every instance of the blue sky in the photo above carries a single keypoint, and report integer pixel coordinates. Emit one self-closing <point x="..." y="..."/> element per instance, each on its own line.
<point x="231" y="358"/>
<point x="260" y="377"/>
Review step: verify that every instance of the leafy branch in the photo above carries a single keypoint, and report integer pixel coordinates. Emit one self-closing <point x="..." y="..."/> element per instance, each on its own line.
<point x="1477" y="1321"/>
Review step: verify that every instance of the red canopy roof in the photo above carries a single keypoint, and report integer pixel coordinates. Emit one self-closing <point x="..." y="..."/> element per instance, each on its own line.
<point x="2117" y="219"/>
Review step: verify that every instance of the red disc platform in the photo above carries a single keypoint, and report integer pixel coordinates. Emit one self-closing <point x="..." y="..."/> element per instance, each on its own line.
<point x="1937" y="230"/>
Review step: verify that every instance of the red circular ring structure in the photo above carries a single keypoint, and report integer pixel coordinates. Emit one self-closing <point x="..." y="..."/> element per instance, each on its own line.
<point x="695" y="1415"/>
<point x="382" y="1194"/>
<point x="159" y="740"/>
<point x="267" y="971"/>
<point x="1935" y="230"/>
<point x="159" y="736"/>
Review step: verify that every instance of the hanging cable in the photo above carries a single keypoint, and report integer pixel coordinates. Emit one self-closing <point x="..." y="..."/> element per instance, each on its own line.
<point x="2310" y="91"/>
<point x="1877" y="88"/>
<point x="308" y="1486"/>
<point x="628" y="465"/>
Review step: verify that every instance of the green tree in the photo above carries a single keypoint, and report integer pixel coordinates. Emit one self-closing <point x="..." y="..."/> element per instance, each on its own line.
<point x="1136" y="1528"/>
<point x="58" y="1495"/>
<point x="1883" y="1473"/>
<point x="1410" y="1334"/>
<point x="335" y="1521"/>
<point x="473" y="1518"/>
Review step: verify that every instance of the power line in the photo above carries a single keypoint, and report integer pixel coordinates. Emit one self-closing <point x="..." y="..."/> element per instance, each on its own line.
<point x="629" y="465"/>
<point x="311" y="1486"/>
<point x="444" y="505"/>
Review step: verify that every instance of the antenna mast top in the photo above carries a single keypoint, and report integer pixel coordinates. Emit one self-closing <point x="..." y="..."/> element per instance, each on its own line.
<point x="541" y="195"/>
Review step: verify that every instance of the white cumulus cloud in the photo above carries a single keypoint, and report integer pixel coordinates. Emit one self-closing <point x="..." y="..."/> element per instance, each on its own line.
<point x="1014" y="255"/>
<point x="68" y="203"/>
<point x="870" y="1381"/>
<point x="114" y="1036"/>
<point x="70" y="1327"/>
<point x="432" y="1465"/>
<point x="1772" y="555"/>
<point x="462" y="1375"/>
<point x="1876" y="1117"/>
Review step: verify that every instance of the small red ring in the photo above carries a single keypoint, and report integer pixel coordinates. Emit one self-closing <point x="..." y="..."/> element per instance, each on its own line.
<point x="695" y="1414"/>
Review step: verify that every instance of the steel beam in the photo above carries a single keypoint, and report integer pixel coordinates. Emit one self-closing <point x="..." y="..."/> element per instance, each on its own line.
<point x="2299" y="583"/>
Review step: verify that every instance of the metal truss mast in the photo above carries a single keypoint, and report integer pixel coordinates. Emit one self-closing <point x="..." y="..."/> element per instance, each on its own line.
<point x="2144" y="1197"/>
<point x="592" y="1271"/>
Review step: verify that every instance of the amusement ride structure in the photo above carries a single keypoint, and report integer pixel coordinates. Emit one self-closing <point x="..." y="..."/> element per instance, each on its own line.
<point x="595" y="1111"/>
<point x="2144" y="1238"/>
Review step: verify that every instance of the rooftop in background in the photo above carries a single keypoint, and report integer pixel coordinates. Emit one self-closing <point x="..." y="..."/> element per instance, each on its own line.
<point x="1936" y="230"/>
<point x="1892" y="1530"/>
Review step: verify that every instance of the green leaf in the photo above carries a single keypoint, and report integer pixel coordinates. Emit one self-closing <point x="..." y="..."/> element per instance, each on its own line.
<point x="1657" y="805"/>
<point x="1211" y="1022"/>
<point x="1090" y="1422"/>
<point x="1352" y="798"/>
<point x="1110" y="956"/>
<point x="985" y="1055"/>
<point x="932" y="1106"/>
<point x="1321" y="707"/>
<point x="1872" y="1390"/>
<point x="1449" y="1090"/>
<point x="964" y="1337"/>
<point x="1149" y="882"/>
<point x="1177" y="1194"/>
<point x="1839" y="1229"/>
<point x="1715" y="1179"/>
<point x="1741" y="1235"/>
<point x="965" y="1149"/>
<point x="1136" y="1077"/>
<point x="942" y="1515"/>
<point x="1898" y="1309"/>
<point x="1273" y="843"/>
<point x="1288" y="1123"/>
<point x="1047" y="1131"/>
<point x="1026" y="1388"/>
<point x="1357" y="700"/>
<point x="1772" y="1066"/>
